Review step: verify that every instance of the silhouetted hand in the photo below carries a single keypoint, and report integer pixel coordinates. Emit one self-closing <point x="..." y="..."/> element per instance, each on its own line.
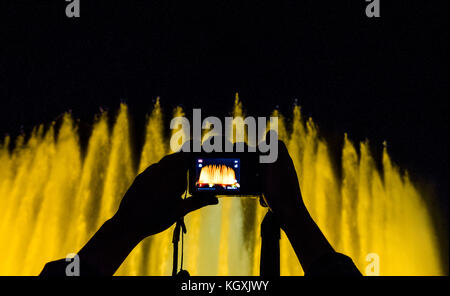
<point x="281" y="192"/>
<point x="154" y="201"/>
<point x="152" y="204"/>
<point x="281" y="189"/>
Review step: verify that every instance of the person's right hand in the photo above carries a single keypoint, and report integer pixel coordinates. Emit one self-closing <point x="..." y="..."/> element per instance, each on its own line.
<point x="281" y="189"/>
<point x="281" y="192"/>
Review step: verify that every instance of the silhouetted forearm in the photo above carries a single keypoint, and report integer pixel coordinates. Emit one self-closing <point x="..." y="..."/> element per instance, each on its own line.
<point x="306" y="238"/>
<point x="102" y="255"/>
<point x="313" y="250"/>
<point x="107" y="249"/>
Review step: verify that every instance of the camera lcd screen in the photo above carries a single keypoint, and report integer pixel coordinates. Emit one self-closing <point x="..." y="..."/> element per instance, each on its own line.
<point x="217" y="174"/>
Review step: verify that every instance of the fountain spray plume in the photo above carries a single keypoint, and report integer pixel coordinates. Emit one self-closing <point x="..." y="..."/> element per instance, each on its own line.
<point x="53" y="199"/>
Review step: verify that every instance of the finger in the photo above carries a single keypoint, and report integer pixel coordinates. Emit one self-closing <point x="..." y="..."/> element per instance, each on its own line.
<point x="273" y="174"/>
<point x="176" y="161"/>
<point x="188" y="146"/>
<point x="194" y="203"/>
<point x="147" y="171"/>
<point x="171" y="171"/>
<point x="283" y="152"/>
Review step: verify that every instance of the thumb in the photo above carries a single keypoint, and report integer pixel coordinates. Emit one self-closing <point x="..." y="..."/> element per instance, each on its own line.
<point x="196" y="202"/>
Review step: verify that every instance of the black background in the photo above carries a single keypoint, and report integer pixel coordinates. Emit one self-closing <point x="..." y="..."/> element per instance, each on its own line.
<point x="382" y="79"/>
<point x="277" y="285"/>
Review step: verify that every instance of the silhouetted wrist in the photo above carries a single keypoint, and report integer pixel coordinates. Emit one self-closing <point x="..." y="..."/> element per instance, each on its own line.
<point x="291" y="217"/>
<point x="306" y="238"/>
<point x="107" y="249"/>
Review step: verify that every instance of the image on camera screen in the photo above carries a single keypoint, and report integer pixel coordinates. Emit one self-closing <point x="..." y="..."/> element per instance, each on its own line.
<point x="217" y="174"/>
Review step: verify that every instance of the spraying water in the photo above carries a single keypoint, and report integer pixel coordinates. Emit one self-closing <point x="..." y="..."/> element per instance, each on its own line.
<point x="52" y="200"/>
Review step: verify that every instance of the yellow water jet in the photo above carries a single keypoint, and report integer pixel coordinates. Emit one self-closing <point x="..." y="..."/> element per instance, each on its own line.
<point x="52" y="200"/>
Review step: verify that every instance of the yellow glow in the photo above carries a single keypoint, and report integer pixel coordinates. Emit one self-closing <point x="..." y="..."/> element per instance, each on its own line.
<point x="52" y="199"/>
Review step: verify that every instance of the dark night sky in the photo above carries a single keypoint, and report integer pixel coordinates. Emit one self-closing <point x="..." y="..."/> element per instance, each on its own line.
<point x="381" y="79"/>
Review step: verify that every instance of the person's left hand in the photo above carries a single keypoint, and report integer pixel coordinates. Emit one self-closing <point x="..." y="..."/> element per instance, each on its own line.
<point x="154" y="201"/>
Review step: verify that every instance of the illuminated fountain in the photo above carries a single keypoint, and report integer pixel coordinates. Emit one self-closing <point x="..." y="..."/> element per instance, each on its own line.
<point x="53" y="199"/>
